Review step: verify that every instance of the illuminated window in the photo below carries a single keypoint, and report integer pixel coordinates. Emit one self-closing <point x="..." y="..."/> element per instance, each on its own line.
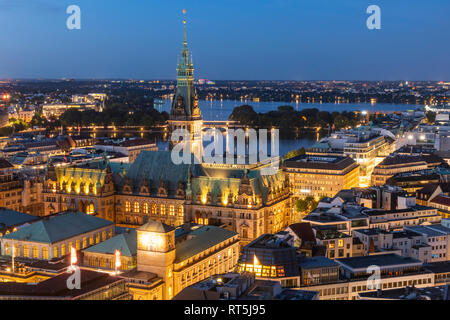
<point x="163" y="209"/>
<point x="55" y="252"/>
<point x="257" y="270"/>
<point x="154" y="208"/>
<point x="77" y="244"/>
<point x="63" y="249"/>
<point x="45" y="253"/>
<point x="90" y="208"/>
<point x="331" y="245"/>
<point x="104" y="235"/>
<point x="145" y="208"/>
<point x="266" y="271"/>
<point x="84" y="242"/>
<point x="127" y="206"/>
<point x="26" y="251"/>
<point x="200" y="221"/>
<point x="171" y="210"/>
<point x="110" y="233"/>
<point x="16" y="250"/>
<point x="273" y="271"/>
<point x="70" y="246"/>
<point x="341" y="243"/>
<point x="91" y="240"/>
<point x="97" y="238"/>
<point x="136" y="206"/>
<point x="7" y="249"/>
<point x="180" y="210"/>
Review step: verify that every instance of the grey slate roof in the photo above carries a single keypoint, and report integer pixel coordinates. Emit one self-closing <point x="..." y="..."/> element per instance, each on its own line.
<point x="156" y="226"/>
<point x="204" y="238"/>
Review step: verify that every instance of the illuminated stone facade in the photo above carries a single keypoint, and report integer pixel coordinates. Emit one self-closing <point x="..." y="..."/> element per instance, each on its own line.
<point x="153" y="188"/>
<point x="205" y="251"/>
<point x="88" y="188"/>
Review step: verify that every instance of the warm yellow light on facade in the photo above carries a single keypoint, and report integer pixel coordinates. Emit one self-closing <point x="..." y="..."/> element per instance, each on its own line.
<point x="204" y="198"/>
<point x="255" y="261"/>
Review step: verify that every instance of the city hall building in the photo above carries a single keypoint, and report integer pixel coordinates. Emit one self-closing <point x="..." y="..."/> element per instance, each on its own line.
<point x="152" y="187"/>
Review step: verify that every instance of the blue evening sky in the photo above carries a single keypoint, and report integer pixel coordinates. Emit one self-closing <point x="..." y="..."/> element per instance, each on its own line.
<point x="229" y="39"/>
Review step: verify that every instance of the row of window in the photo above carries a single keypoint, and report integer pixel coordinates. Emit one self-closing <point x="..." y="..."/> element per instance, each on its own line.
<point x="62" y="250"/>
<point x="136" y="207"/>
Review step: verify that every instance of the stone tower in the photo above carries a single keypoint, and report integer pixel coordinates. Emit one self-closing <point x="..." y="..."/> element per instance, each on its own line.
<point x="185" y="113"/>
<point x="156" y="252"/>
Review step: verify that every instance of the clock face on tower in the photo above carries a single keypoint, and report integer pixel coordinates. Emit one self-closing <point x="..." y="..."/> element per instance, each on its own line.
<point x="151" y="242"/>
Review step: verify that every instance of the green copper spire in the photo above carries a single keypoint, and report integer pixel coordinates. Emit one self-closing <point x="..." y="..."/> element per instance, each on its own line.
<point x="185" y="103"/>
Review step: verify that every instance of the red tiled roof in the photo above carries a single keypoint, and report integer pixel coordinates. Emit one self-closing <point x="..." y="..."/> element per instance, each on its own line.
<point x="442" y="200"/>
<point x="304" y="231"/>
<point x="4" y="164"/>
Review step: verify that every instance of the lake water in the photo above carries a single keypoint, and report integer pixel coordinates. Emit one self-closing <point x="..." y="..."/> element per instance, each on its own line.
<point x="221" y="109"/>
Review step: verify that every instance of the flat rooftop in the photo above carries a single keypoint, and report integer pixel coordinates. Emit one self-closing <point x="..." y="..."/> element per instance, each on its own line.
<point x="381" y="260"/>
<point x="320" y="162"/>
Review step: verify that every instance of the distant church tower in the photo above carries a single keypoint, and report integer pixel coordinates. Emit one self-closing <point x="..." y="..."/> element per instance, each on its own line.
<point x="185" y="113"/>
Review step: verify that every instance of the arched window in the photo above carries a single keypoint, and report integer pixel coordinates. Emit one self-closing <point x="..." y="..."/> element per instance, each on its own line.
<point x="136" y="206"/>
<point x="127" y="206"/>
<point x="45" y="253"/>
<point x="163" y="209"/>
<point x="90" y="208"/>
<point x="154" y="208"/>
<point x="171" y="210"/>
<point x="26" y="251"/>
<point x="180" y="210"/>
<point x="35" y="252"/>
<point x="145" y="208"/>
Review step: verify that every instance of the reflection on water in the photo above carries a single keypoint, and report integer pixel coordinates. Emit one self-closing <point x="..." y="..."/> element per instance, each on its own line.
<point x="221" y="109"/>
<point x="285" y="145"/>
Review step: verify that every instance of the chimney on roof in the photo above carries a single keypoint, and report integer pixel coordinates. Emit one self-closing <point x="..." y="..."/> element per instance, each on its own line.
<point x="379" y="292"/>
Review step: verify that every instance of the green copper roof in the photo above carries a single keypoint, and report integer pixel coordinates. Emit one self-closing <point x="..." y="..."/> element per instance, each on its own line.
<point x="125" y="242"/>
<point x="60" y="227"/>
<point x="10" y="218"/>
<point x="203" y="239"/>
<point x="156" y="166"/>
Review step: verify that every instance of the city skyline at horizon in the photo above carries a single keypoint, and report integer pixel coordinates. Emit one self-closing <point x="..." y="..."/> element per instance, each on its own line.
<point x="96" y="52"/>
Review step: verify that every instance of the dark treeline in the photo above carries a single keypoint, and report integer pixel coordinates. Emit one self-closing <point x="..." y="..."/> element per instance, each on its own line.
<point x="114" y="116"/>
<point x="288" y="120"/>
<point x="127" y="109"/>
